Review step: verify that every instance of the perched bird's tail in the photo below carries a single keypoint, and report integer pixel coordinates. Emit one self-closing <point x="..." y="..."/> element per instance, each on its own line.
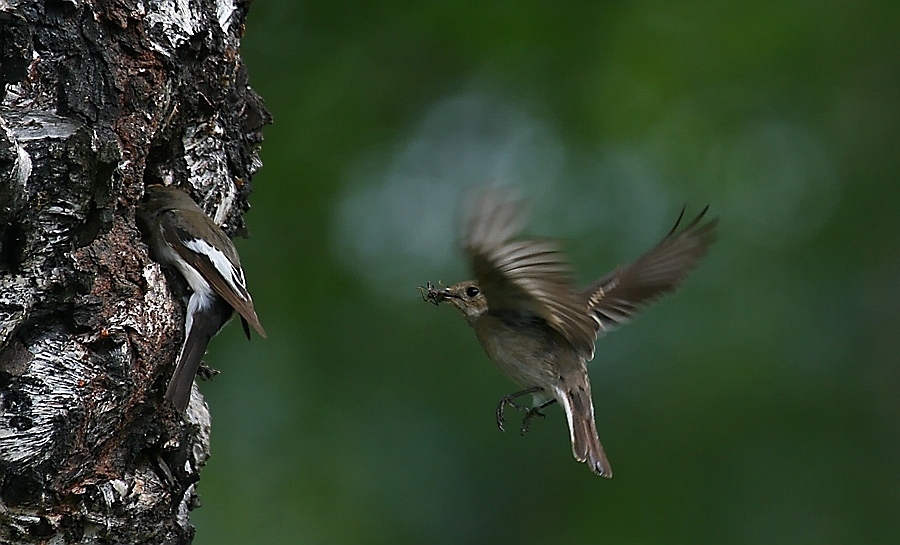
<point x="204" y="319"/>
<point x="573" y="392"/>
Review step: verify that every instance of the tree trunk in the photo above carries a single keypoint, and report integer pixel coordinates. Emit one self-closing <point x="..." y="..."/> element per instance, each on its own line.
<point x="97" y="100"/>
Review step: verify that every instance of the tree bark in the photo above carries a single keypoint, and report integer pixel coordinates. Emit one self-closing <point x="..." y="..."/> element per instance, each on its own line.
<point x="97" y="100"/>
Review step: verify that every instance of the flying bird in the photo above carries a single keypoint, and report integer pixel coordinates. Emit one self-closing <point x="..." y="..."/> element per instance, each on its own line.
<point x="537" y="327"/>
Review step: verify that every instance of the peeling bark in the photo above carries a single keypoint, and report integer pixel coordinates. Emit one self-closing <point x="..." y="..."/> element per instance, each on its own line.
<point x="97" y="100"/>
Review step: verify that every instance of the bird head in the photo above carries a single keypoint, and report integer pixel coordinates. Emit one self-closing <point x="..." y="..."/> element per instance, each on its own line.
<point x="466" y="296"/>
<point x="159" y="198"/>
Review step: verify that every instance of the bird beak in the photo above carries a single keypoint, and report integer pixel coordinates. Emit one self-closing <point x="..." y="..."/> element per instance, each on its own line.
<point x="434" y="294"/>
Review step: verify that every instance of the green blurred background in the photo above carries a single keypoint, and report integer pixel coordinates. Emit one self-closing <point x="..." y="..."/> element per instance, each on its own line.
<point x="761" y="404"/>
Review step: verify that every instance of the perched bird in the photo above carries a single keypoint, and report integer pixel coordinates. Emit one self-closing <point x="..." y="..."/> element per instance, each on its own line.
<point x="182" y="236"/>
<point x="537" y="328"/>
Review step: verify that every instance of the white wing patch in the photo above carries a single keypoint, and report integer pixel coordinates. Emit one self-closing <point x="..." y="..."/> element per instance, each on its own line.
<point x="232" y="274"/>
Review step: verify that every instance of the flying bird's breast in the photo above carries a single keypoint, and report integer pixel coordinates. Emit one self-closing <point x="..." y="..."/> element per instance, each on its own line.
<point x="525" y="350"/>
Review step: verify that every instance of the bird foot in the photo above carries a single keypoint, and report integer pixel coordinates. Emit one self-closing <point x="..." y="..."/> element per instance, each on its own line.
<point x="205" y="372"/>
<point x="530" y="412"/>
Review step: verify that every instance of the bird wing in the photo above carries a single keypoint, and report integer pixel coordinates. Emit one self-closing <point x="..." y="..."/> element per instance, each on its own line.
<point x="523" y="277"/>
<point x="221" y="270"/>
<point x="618" y="296"/>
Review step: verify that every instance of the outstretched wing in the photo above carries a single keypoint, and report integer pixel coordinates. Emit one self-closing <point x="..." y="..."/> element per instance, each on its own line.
<point x="618" y="296"/>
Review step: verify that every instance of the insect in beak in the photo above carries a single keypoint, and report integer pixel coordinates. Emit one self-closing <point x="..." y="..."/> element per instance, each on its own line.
<point x="434" y="294"/>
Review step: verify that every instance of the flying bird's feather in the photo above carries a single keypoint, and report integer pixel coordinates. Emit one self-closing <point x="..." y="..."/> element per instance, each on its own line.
<point x="618" y="296"/>
<point x="524" y="277"/>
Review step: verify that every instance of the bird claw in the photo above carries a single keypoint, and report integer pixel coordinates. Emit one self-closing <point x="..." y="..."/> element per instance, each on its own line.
<point x="205" y="372"/>
<point x="530" y="412"/>
<point x="501" y="409"/>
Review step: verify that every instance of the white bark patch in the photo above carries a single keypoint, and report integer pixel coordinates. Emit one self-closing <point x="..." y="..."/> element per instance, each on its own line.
<point x="157" y="302"/>
<point x="176" y="21"/>
<point x="20" y="290"/>
<point x="41" y="126"/>
<point x="224" y="11"/>
<point x="207" y="164"/>
<point x="16" y="302"/>
<point x="58" y="371"/>
<point x="21" y="169"/>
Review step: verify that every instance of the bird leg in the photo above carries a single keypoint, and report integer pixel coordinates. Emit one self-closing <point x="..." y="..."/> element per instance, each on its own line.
<point x="530" y="412"/>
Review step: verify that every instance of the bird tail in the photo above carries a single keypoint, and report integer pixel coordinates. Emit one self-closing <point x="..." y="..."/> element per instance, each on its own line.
<point x="179" y="389"/>
<point x="202" y="323"/>
<point x="574" y="394"/>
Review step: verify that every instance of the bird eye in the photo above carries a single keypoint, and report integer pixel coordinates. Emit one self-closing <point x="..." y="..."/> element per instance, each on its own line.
<point x="472" y="291"/>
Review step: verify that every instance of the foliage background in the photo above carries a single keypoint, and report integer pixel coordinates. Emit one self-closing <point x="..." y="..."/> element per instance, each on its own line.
<point x="758" y="405"/>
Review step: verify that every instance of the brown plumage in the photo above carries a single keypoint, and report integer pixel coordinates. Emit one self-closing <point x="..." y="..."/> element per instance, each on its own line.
<point x="536" y="327"/>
